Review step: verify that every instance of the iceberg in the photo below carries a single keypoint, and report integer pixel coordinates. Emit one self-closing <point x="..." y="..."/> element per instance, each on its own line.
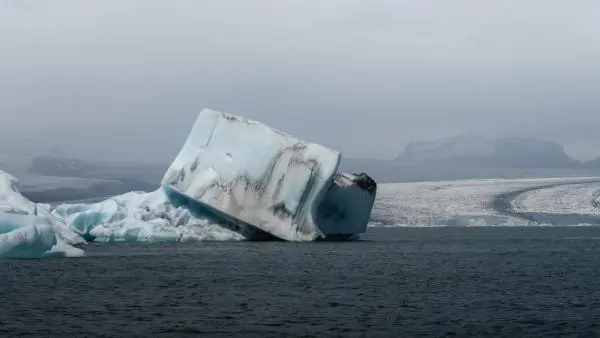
<point x="29" y="230"/>
<point x="233" y="179"/>
<point x="266" y="182"/>
<point x="140" y="217"/>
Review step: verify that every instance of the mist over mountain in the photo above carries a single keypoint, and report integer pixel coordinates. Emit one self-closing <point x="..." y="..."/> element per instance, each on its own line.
<point x="473" y="149"/>
<point x="56" y="176"/>
<point x="593" y="164"/>
<point x="473" y="156"/>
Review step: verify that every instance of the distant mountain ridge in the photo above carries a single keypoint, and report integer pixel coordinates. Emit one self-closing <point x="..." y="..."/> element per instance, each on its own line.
<point x="473" y="156"/>
<point x="473" y="149"/>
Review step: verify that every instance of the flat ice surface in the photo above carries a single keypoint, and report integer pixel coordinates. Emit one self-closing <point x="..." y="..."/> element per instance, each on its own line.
<point x="29" y="230"/>
<point x="470" y="202"/>
<point x="257" y="174"/>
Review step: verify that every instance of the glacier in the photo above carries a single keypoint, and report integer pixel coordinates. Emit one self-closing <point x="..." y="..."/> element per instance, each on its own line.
<point x="562" y="201"/>
<point x="233" y="179"/>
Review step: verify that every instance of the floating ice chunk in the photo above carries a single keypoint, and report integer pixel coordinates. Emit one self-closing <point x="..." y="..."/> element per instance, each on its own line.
<point x="139" y="217"/>
<point x="252" y="176"/>
<point x="29" y="230"/>
<point x="36" y="241"/>
<point x="30" y="241"/>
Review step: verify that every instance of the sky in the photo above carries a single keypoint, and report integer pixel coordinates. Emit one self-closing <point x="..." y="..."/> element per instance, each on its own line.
<point x="124" y="79"/>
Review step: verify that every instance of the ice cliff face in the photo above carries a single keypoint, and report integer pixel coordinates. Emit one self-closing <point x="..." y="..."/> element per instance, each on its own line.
<point x="233" y="179"/>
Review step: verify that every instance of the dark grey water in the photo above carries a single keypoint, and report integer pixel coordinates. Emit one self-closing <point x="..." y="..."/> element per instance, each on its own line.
<point x="430" y="282"/>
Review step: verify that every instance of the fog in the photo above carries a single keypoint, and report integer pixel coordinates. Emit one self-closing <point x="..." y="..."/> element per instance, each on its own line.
<point x="125" y="79"/>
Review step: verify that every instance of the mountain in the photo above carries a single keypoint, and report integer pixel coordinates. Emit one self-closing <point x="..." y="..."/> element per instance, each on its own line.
<point x="473" y="156"/>
<point x="477" y="150"/>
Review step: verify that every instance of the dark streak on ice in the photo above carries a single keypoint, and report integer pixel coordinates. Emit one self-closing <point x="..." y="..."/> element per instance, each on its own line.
<point x="366" y="183"/>
<point x="249" y="184"/>
<point x="227" y="221"/>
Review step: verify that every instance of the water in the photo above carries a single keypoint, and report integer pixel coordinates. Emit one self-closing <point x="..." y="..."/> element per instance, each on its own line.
<point x="403" y="282"/>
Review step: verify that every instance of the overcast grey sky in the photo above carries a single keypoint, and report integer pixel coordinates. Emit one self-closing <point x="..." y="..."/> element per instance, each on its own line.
<point x="125" y="79"/>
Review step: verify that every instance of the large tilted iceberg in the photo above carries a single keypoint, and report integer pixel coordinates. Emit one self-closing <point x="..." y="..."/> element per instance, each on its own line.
<point x="233" y="179"/>
<point x="267" y="182"/>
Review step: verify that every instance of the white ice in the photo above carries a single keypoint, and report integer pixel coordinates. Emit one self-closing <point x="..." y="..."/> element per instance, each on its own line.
<point x="139" y="217"/>
<point x="29" y="230"/>
<point x="562" y="199"/>
<point x="255" y="174"/>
